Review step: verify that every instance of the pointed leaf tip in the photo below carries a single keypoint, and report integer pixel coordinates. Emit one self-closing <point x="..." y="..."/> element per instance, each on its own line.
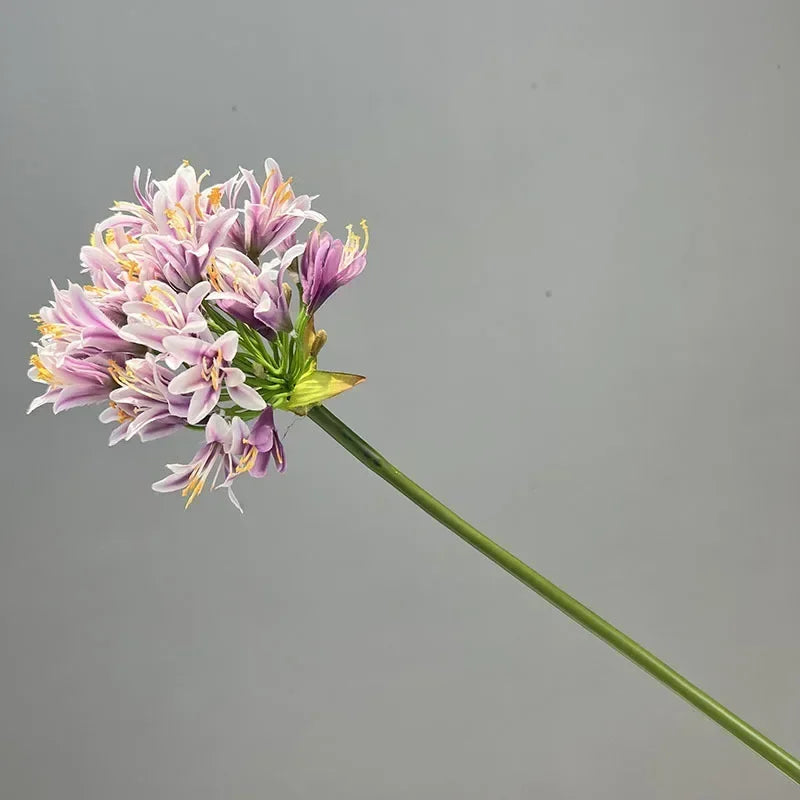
<point x="319" y="386"/>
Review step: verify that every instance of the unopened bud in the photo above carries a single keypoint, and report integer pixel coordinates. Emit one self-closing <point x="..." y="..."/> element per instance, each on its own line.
<point x="258" y="370"/>
<point x="287" y="293"/>
<point x="318" y="343"/>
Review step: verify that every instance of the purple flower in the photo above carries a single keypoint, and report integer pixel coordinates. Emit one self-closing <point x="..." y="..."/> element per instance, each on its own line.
<point x="71" y="381"/>
<point x="329" y="263"/>
<point x="155" y="310"/>
<point x="115" y="255"/>
<point x="223" y="442"/>
<point x="183" y="258"/>
<point x="260" y="446"/>
<point x="252" y="294"/>
<point x="142" y="404"/>
<point x="74" y="324"/>
<point x="210" y="368"/>
<point x="271" y="215"/>
<point x="176" y="229"/>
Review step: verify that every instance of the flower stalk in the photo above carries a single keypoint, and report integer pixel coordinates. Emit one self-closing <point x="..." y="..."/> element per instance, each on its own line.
<point x="651" y="664"/>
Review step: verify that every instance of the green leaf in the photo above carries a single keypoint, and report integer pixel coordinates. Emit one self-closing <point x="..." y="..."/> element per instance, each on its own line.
<point x="317" y="386"/>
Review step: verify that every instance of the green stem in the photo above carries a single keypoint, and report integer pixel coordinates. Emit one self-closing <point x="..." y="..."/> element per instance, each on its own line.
<point x="654" y="666"/>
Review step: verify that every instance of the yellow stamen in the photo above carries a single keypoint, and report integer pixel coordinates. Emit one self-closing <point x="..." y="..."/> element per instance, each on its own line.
<point x="197" y="209"/>
<point x="155" y="297"/>
<point x="52" y="329"/>
<point x="284" y="192"/>
<point x="352" y="247"/>
<point x="211" y="373"/>
<point x="131" y="267"/>
<point x="92" y="239"/>
<point x="248" y="460"/>
<point x="178" y="224"/>
<point x="122" y="416"/>
<point x="124" y="377"/>
<point x="194" y="486"/>
<point x="185" y="163"/>
<point x="109" y="238"/>
<point x="41" y="370"/>
<point x="213" y="274"/>
<point x="215" y="371"/>
<point x="266" y="183"/>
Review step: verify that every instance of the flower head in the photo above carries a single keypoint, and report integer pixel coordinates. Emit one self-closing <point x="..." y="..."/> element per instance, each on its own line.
<point x="186" y="322"/>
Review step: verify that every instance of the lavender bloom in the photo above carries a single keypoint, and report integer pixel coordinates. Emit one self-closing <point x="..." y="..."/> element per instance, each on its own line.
<point x="114" y="254"/>
<point x="271" y="215"/>
<point x="75" y="325"/>
<point x="183" y="258"/>
<point x="155" y="310"/>
<point x="71" y="381"/>
<point x="210" y="368"/>
<point x="252" y="294"/>
<point x="142" y="404"/>
<point x="223" y="442"/>
<point x="329" y="263"/>
<point x="177" y="227"/>
<point x="260" y="446"/>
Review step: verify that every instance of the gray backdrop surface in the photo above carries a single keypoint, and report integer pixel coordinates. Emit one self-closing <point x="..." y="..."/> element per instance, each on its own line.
<point x="579" y="326"/>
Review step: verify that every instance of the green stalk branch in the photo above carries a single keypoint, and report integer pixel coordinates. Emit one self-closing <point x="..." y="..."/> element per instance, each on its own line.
<point x="654" y="666"/>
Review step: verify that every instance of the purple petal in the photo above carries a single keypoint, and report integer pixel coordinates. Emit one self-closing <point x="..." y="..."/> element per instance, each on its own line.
<point x="48" y="397"/>
<point x="72" y="396"/>
<point x="175" y="482"/>
<point x="147" y="417"/>
<point x="246" y="397"/>
<point x="83" y="307"/>
<point x="233" y="376"/>
<point x="119" y="433"/>
<point x="217" y="430"/>
<point x="216" y="229"/>
<point x="159" y="428"/>
<point x="227" y="344"/>
<point x="202" y="404"/>
<point x="142" y="334"/>
<point x="191" y="380"/>
<point x="195" y="296"/>
<point x="187" y="348"/>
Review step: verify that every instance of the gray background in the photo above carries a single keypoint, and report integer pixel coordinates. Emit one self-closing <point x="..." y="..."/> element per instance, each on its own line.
<point x="580" y="327"/>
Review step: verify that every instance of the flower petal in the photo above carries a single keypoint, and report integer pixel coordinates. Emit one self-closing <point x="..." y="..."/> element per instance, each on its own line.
<point x="227" y="344"/>
<point x="83" y="395"/>
<point x="217" y="430"/>
<point x="191" y="380"/>
<point x="186" y="348"/>
<point x="247" y="397"/>
<point x="202" y="404"/>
